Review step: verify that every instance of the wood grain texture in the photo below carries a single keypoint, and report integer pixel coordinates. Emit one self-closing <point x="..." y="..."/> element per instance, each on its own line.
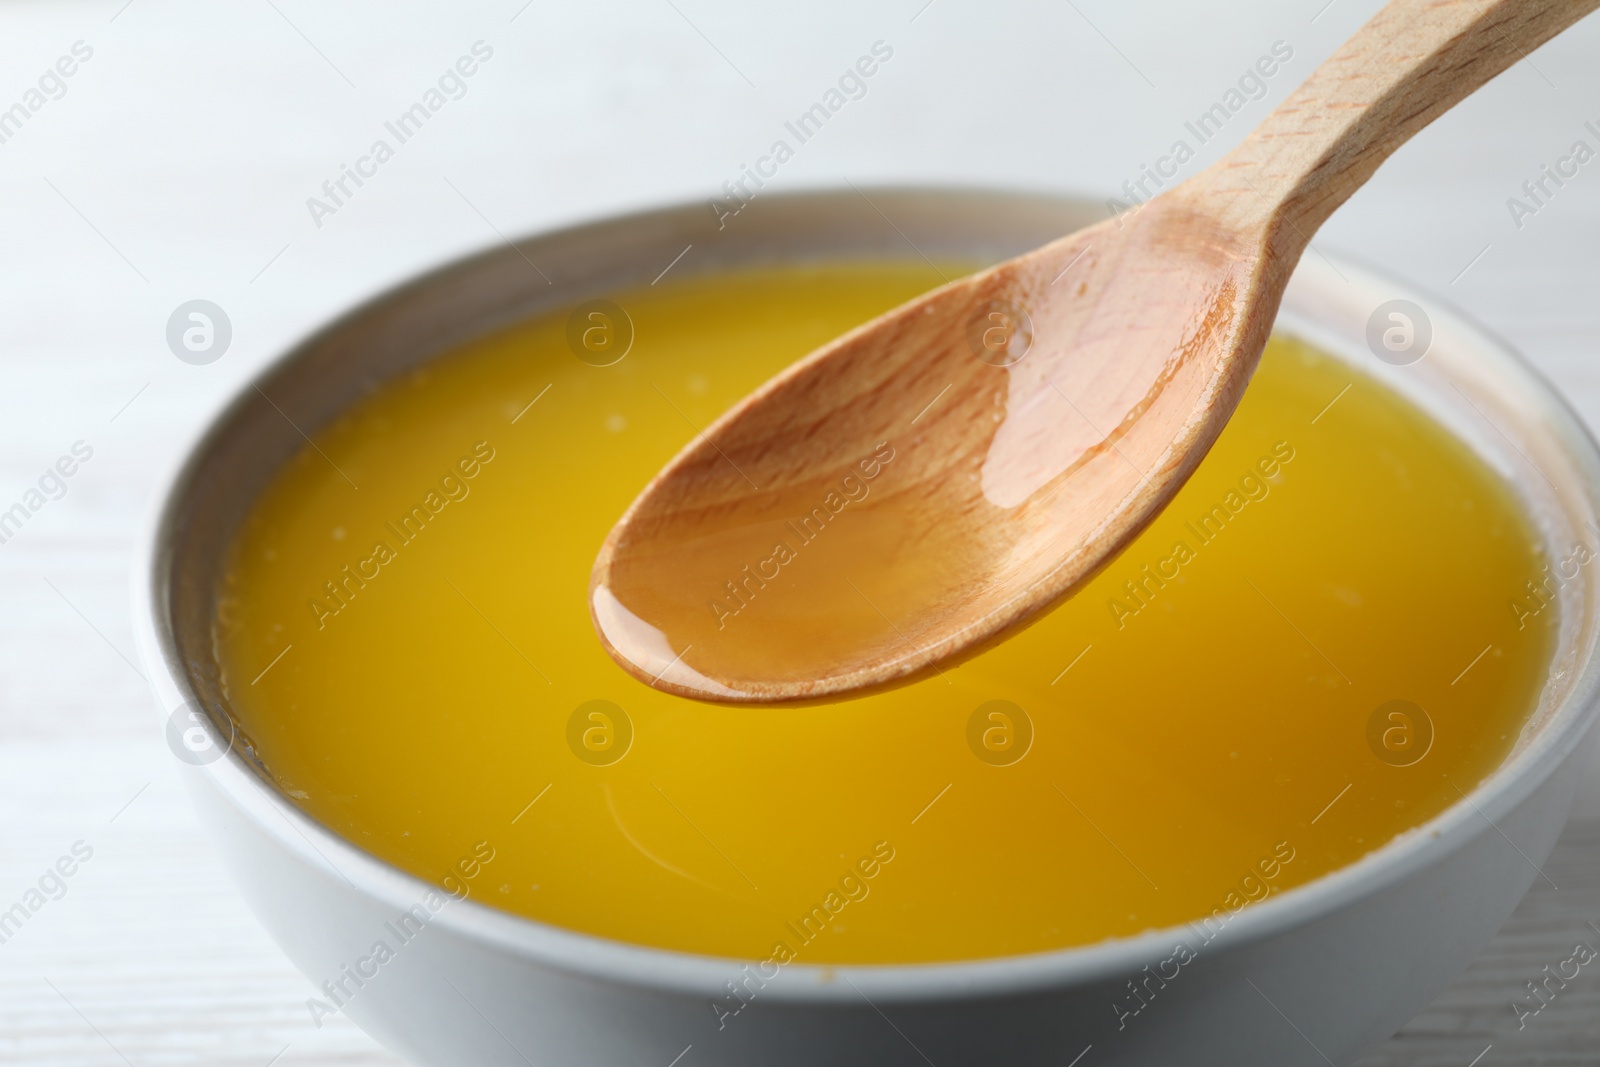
<point x="1412" y="62"/>
<point x="1119" y="354"/>
<point x="1475" y="1016"/>
<point x="153" y="941"/>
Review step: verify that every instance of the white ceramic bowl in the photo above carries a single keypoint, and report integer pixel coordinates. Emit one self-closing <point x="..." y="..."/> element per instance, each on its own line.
<point x="1310" y="976"/>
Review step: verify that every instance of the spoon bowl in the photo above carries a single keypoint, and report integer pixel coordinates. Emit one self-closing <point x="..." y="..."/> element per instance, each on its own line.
<point x="860" y="518"/>
<point x="942" y="474"/>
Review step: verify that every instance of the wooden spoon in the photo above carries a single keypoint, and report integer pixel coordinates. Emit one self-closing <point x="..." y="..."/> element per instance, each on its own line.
<point x="916" y="488"/>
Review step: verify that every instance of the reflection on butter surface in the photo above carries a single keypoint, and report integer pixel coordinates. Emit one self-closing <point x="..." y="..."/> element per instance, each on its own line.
<point x="1309" y="652"/>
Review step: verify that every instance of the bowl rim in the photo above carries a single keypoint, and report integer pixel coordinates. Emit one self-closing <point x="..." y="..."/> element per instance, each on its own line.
<point x="232" y="779"/>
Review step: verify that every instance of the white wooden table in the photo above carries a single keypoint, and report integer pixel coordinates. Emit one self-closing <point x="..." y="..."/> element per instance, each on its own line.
<point x="176" y="161"/>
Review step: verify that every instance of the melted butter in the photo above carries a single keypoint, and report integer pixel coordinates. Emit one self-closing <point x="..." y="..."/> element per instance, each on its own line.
<point x="871" y="517"/>
<point x="1209" y="721"/>
<point x="789" y="594"/>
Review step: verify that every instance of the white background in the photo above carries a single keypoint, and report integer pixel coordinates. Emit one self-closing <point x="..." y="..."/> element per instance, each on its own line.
<point x="178" y="163"/>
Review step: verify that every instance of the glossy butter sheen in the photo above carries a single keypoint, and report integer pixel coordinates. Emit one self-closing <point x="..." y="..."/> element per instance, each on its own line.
<point x="1204" y="724"/>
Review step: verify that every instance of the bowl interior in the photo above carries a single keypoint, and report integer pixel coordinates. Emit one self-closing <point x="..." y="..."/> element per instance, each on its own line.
<point x="1468" y="380"/>
<point x="383" y="339"/>
<point x="1475" y="385"/>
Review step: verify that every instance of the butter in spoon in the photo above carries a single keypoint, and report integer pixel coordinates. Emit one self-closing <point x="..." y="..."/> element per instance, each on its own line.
<point x="940" y="475"/>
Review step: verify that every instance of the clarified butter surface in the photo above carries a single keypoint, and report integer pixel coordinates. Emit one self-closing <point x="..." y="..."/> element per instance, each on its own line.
<point x="1209" y="721"/>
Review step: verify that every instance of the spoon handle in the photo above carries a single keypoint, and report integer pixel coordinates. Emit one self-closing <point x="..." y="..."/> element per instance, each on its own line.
<point x="1409" y="64"/>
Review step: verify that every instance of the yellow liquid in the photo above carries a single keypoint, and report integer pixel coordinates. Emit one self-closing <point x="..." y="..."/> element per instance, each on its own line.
<point x="1161" y="754"/>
